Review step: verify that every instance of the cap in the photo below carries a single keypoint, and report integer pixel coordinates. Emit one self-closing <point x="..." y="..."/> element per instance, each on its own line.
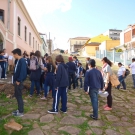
<point x="70" y="59"/>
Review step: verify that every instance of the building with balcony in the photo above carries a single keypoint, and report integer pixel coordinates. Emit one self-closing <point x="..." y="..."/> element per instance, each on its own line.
<point x="114" y="34"/>
<point x="17" y="29"/>
<point x="76" y="43"/>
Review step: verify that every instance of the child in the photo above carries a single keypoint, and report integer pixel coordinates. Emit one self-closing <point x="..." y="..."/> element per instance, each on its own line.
<point x="76" y="61"/>
<point x="79" y="75"/>
<point x="20" y="74"/>
<point x="2" y="64"/>
<point x="61" y="85"/>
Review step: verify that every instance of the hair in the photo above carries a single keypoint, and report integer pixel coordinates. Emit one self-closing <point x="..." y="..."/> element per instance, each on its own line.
<point x="4" y="49"/>
<point x="49" y="58"/>
<point x="80" y="64"/>
<point x="1" y="51"/>
<point x="17" y="51"/>
<point x="120" y="64"/>
<point x="88" y="58"/>
<point x="107" y="61"/>
<point x="92" y="62"/>
<point x="32" y="54"/>
<point x="46" y="55"/>
<point x="38" y="54"/>
<point x="75" y="57"/>
<point x="133" y="59"/>
<point x="59" y="58"/>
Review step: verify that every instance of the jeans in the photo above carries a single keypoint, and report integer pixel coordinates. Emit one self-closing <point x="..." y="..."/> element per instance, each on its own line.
<point x="94" y="100"/>
<point x="18" y="95"/>
<point x="121" y="80"/>
<point x="6" y="67"/>
<point x="109" y="98"/>
<point x="3" y="71"/>
<point x="133" y="76"/>
<point x="47" y="88"/>
<point x="71" y="80"/>
<point x="61" y="92"/>
<point x="37" y="84"/>
<point x="80" y="82"/>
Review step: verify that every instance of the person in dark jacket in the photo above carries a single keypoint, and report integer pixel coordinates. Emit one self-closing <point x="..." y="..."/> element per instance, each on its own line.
<point x="71" y="72"/>
<point x="50" y="77"/>
<point x="92" y="84"/>
<point x="61" y="85"/>
<point x="36" y="74"/>
<point x="20" y="74"/>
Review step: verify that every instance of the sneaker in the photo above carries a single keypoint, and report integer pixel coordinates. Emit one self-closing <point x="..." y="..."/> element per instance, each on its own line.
<point x="14" y="112"/>
<point x="43" y="98"/>
<point x="105" y="106"/>
<point x="30" y="96"/>
<point x="107" y="109"/>
<point x="94" y="118"/>
<point x="63" y="111"/>
<point x="19" y="114"/>
<point x="52" y="111"/>
<point x="2" y="78"/>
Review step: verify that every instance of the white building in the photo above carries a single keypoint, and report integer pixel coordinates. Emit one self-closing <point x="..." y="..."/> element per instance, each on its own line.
<point x="114" y="34"/>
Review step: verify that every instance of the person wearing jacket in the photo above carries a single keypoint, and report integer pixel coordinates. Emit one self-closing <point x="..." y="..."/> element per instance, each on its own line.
<point x="92" y="84"/>
<point x="36" y="74"/>
<point x="61" y="85"/>
<point x="20" y="74"/>
<point x="50" y="77"/>
<point x="71" y="72"/>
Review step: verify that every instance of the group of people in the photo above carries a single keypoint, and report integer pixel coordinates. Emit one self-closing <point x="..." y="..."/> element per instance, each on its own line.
<point x="59" y="77"/>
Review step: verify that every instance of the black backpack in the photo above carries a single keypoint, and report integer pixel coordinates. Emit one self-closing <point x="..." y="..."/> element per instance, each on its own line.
<point x="127" y="72"/>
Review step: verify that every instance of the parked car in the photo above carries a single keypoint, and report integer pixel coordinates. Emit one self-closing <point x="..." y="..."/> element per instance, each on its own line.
<point x="74" y="54"/>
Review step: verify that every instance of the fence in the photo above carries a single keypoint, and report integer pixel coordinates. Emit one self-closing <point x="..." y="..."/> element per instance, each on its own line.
<point x="123" y="57"/>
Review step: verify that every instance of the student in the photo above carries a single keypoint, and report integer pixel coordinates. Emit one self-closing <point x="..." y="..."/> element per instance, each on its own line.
<point x="50" y="77"/>
<point x="60" y="86"/>
<point x="20" y="74"/>
<point x="87" y="62"/>
<point x="2" y="64"/>
<point x="106" y="72"/>
<point x="92" y="83"/>
<point x="132" y="66"/>
<point x="71" y="72"/>
<point x="6" y="63"/>
<point x="35" y="72"/>
<point x="121" y="76"/>
<point x="79" y="75"/>
<point x="76" y="61"/>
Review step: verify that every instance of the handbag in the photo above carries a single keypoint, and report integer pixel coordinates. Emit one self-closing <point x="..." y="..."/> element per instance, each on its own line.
<point x="114" y="80"/>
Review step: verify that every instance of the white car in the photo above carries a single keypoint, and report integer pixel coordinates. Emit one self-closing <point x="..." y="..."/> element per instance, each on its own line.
<point x="74" y="54"/>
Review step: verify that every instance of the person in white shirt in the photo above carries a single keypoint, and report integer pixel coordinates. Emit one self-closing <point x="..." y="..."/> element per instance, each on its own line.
<point x="132" y="66"/>
<point x="121" y="76"/>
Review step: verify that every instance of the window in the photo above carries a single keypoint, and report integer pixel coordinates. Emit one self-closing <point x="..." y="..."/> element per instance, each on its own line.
<point x="30" y="39"/>
<point x="2" y="15"/>
<point x="25" y="34"/>
<point x="19" y="26"/>
<point x="33" y="42"/>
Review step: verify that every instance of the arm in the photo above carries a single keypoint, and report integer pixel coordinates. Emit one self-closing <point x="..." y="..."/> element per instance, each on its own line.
<point x="86" y="81"/>
<point x="102" y="81"/>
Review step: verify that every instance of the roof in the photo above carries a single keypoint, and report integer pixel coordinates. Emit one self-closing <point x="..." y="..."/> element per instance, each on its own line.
<point x="80" y="38"/>
<point x="91" y="44"/>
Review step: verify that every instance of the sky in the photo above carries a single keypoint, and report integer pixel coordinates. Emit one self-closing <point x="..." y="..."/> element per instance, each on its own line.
<point x="66" y="19"/>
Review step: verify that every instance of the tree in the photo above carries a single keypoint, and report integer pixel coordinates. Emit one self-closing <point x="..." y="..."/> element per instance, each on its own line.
<point x="119" y="50"/>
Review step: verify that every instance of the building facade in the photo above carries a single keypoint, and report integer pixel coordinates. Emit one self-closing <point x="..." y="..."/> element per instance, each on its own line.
<point x="75" y="44"/>
<point x="114" y="34"/>
<point x="17" y="29"/>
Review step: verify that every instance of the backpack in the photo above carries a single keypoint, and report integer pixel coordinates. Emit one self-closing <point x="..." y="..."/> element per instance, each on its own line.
<point x="127" y="72"/>
<point x="34" y="64"/>
<point x="114" y="80"/>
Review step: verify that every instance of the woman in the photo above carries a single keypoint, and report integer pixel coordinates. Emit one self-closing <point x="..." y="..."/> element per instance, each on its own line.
<point x="87" y="62"/>
<point x="121" y="76"/>
<point x="24" y="54"/>
<point x="61" y="85"/>
<point x="36" y="74"/>
<point x="106" y="72"/>
<point x="50" y="77"/>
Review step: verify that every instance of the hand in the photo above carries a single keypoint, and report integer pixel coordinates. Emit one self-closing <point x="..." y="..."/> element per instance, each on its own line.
<point x="56" y="88"/>
<point x="17" y="83"/>
<point x="106" y="86"/>
<point x="87" y="93"/>
<point x="123" y="75"/>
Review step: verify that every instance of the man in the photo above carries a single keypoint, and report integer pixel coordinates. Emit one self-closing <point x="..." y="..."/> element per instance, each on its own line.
<point x="132" y="66"/>
<point x="20" y="74"/>
<point x="93" y="82"/>
<point x="71" y="72"/>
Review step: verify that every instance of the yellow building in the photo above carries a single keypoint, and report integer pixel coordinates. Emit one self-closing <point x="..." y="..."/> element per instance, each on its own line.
<point x="90" y="47"/>
<point x="109" y="44"/>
